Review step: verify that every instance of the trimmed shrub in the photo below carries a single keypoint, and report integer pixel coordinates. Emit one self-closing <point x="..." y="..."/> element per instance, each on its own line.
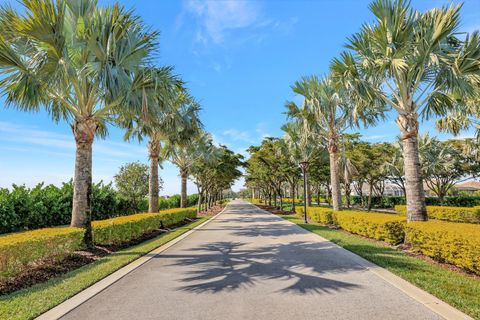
<point x="379" y="226"/>
<point x="453" y="214"/>
<point x="123" y="229"/>
<point x="455" y="243"/>
<point x="18" y="250"/>
<point x="43" y="206"/>
<point x="323" y="215"/>
<point x="391" y="201"/>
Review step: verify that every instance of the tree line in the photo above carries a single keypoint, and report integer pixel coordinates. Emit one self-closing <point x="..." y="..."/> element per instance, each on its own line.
<point x="414" y="64"/>
<point x="94" y="67"/>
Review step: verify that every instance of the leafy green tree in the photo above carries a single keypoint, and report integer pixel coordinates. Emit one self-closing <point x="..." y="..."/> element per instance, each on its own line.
<point x="443" y="164"/>
<point x="77" y="61"/>
<point x="132" y="183"/>
<point x="416" y="64"/>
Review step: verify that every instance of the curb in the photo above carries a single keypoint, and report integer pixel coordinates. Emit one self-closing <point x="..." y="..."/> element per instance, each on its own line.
<point x="433" y="303"/>
<point x="88" y="293"/>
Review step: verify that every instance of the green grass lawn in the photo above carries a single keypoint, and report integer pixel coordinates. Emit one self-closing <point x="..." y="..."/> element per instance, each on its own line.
<point x="31" y="302"/>
<point x="458" y="290"/>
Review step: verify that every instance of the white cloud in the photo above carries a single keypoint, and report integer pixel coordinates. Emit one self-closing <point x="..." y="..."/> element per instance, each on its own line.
<point x="216" y="18"/>
<point x="238" y="135"/>
<point x="220" y="22"/>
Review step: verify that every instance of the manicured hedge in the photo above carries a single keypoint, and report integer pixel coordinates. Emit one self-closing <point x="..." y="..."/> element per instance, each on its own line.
<point x="321" y="215"/>
<point x="390" y="201"/>
<point x="19" y="249"/>
<point x="123" y="229"/>
<point x="379" y="226"/>
<point x="455" y="243"/>
<point x="453" y="214"/>
<point x="23" y="208"/>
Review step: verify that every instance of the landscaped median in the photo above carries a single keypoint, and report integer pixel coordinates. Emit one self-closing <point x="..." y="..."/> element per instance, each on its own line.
<point x="455" y="243"/>
<point x="30" y="302"/>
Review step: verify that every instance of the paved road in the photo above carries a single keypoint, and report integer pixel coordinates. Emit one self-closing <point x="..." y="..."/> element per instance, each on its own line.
<point x="249" y="264"/>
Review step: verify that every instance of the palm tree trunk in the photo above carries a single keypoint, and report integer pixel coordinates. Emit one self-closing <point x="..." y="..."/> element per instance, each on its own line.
<point x="84" y="133"/>
<point x="309" y="190"/>
<point x="335" y="181"/>
<point x="416" y="208"/>
<point x="293" y="196"/>
<point x="153" y="153"/>
<point x="183" y="193"/>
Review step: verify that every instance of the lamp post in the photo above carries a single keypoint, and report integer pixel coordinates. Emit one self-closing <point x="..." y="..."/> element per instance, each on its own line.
<point x="304" y="167"/>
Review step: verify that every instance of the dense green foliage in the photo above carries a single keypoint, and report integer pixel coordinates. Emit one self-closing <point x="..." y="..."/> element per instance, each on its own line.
<point x="132" y="183"/>
<point x="25" y="208"/>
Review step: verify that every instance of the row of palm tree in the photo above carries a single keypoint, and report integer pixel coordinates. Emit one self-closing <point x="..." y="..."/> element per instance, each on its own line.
<point x="94" y="66"/>
<point x="415" y="63"/>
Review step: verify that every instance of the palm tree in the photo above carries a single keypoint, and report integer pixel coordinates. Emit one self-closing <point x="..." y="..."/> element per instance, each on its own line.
<point x="77" y="61"/>
<point x="417" y="65"/>
<point x="300" y="145"/>
<point x="184" y="154"/>
<point x="328" y="108"/>
<point x="175" y="119"/>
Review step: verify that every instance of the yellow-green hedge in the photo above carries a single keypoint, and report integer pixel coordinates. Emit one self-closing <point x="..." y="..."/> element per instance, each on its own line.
<point x="17" y="250"/>
<point x="453" y="214"/>
<point x="379" y="226"/>
<point x="455" y="243"/>
<point x="126" y="228"/>
<point x="321" y="215"/>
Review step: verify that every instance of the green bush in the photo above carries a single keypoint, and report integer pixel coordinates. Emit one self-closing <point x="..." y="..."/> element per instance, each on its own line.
<point x="18" y="250"/>
<point x="453" y="214"/>
<point x="379" y="226"/>
<point x="43" y="206"/>
<point x="390" y="201"/>
<point x="455" y="243"/>
<point x="123" y="229"/>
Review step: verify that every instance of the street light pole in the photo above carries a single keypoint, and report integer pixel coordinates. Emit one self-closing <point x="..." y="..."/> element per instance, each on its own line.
<point x="304" y="166"/>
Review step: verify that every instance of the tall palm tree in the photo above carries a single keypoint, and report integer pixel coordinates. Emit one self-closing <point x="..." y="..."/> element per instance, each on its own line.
<point x="175" y="118"/>
<point x="184" y="154"/>
<point x="329" y="110"/>
<point x="300" y="144"/>
<point x="77" y="61"/>
<point x="417" y="65"/>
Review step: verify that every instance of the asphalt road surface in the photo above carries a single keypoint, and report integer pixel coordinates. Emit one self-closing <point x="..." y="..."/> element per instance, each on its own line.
<point x="250" y="264"/>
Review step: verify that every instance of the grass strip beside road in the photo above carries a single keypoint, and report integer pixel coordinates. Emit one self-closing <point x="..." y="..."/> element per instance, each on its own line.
<point x="31" y="302"/>
<point x="457" y="289"/>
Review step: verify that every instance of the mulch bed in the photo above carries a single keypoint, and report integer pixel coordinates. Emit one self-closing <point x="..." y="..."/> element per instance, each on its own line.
<point x="274" y="210"/>
<point x="402" y="247"/>
<point x="43" y="271"/>
<point x="212" y="211"/>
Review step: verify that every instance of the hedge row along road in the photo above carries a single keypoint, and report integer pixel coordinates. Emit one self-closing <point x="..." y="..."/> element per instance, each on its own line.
<point x="249" y="264"/>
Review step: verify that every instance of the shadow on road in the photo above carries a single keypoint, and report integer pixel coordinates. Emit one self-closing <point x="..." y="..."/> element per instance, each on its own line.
<point x="228" y="266"/>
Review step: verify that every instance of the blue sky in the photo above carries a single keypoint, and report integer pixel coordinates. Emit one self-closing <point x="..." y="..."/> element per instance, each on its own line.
<point x="238" y="58"/>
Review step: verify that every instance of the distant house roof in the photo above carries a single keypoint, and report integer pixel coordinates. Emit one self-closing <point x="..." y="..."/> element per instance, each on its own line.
<point x="468" y="186"/>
